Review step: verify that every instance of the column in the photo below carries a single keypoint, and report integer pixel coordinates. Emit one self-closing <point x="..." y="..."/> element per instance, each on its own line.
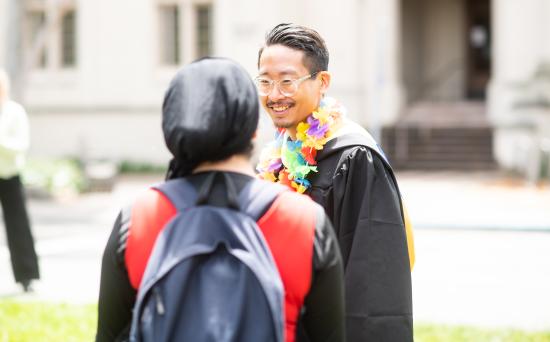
<point x="518" y="47"/>
<point x="12" y="32"/>
<point x="382" y="64"/>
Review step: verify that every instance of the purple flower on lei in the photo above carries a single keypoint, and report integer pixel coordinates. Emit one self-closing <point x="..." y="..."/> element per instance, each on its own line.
<point x="315" y="129"/>
<point x="275" y="165"/>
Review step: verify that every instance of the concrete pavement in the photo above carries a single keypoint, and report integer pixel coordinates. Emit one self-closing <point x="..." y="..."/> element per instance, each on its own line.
<point x="481" y="241"/>
<point x="70" y="234"/>
<point x="476" y="200"/>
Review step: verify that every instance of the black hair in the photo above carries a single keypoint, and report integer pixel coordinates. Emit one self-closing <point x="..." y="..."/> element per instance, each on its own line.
<point x="303" y="39"/>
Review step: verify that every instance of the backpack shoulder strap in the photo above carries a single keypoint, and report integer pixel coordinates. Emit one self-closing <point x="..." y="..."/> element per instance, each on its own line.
<point x="257" y="196"/>
<point x="179" y="191"/>
<point x="149" y="214"/>
<point x="253" y="199"/>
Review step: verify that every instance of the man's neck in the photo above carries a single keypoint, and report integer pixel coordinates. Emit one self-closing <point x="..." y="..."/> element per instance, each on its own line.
<point x="291" y="132"/>
<point x="237" y="163"/>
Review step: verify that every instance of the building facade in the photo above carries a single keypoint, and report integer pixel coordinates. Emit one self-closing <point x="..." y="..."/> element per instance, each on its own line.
<point x="92" y="74"/>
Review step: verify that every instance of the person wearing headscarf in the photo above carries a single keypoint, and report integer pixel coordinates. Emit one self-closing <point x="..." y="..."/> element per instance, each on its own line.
<point x="209" y="118"/>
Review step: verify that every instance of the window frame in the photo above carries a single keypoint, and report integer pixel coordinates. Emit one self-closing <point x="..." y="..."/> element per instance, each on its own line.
<point x="188" y="26"/>
<point x="52" y="34"/>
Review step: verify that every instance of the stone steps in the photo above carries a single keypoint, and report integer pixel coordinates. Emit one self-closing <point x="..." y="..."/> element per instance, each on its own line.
<point x="451" y="136"/>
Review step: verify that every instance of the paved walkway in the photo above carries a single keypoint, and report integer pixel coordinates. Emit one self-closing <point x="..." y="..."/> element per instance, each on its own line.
<point x="482" y="200"/>
<point x="482" y="249"/>
<point x="481" y="239"/>
<point x="71" y="233"/>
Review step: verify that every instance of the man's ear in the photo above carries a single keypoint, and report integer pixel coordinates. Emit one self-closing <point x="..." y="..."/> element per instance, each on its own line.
<point x="324" y="77"/>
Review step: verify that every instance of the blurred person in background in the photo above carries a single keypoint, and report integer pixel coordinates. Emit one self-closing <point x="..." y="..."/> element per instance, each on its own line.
<point x="14" y="142"/>
<point x="320" y="152"/>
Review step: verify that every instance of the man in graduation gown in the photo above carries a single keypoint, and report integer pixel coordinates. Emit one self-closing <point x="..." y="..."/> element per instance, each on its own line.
<point x="320" y="152"/>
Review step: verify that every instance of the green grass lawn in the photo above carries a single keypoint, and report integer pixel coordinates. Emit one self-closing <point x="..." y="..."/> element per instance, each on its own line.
<point x="32" y="321"/>
<point x="439" y="333"/>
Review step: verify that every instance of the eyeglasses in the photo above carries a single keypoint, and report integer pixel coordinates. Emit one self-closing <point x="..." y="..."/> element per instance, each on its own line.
<point x="286" y="86"/>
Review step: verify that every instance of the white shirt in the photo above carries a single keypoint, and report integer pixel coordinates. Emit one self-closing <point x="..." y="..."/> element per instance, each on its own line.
<point x="14" y="138"/>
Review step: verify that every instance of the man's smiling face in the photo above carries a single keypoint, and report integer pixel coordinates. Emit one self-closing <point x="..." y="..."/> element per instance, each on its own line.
<point x="278" y="62"/>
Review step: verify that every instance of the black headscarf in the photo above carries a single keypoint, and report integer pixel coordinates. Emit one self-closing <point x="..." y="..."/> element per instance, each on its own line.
<point x="210" y="112"/>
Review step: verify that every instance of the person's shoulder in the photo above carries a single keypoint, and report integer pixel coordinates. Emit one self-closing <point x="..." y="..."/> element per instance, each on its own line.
<point x="148" y="194"/>
<point x="150" y="203"/>
<point x="346" y="147"/>
<point x="13" y="112"/>
<point x="355" y="141"/>
<point x="14" y="108"/>
<point x="362" y="152"/>
<point x="297" y="197"/>
<point x="289" y="200"/>
<point x="350" y="136"/>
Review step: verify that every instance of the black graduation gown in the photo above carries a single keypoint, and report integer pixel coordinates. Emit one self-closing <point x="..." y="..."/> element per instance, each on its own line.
<point x="358" y="190"/>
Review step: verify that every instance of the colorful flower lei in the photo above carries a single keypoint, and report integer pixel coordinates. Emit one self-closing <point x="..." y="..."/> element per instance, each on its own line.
<point x="290" y="162"/>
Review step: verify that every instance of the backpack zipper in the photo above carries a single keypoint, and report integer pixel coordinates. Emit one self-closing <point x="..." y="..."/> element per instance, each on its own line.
<point x="158" y="300"/>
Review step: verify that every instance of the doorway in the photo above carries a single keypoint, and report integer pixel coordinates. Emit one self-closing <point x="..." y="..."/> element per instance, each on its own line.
<point x="478" y="47"/>
<point x="446" y="50"/>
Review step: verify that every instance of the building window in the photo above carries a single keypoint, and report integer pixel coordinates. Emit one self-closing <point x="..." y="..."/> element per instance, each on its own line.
<point x="37" y="20"/>
<point x="185" y="29"/>
<point x="68" y="39"/>
<point x="51" y="33"/>
<point x="170" y="34"/>
<point x="204" y="30"/>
